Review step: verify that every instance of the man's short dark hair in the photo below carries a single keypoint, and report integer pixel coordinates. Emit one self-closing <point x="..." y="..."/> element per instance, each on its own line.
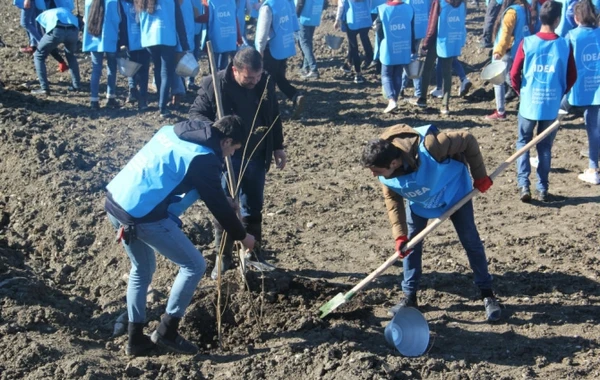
<point x="248" y="57"/>
<point x="232" y="127"/>
<point x="379" y="153"/>
<point x="550" y="12"/>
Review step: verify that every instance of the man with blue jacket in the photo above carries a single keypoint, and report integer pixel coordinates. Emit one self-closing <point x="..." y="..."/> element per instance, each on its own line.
<point x="429" y="169"/>
<point x="179" y="162"/>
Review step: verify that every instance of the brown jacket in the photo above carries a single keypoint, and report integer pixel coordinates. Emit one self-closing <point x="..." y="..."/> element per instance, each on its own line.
<point x="457" y="145"/>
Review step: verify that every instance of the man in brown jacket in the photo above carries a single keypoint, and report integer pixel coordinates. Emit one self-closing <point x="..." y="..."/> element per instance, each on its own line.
<point x="428" y="168"/>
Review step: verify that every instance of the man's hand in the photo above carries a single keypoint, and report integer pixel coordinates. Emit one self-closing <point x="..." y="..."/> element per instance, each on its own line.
<point x="336" y="25"/>
<point x="249" y="242"/>
<point x="27" y="4"/>
<point x="483" y="184"/>
<point x="280" y="158"/>
<point x="400" y="243"/>
<point x="497" y="57"/>
<point x="234" y="205"/>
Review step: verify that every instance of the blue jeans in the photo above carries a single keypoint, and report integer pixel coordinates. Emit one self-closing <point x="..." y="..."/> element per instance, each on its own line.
<point x="197" y="40"/>
<point x="456" y="67"/>
<point x="111" y="74"/>
<point x="163" y="58"/>
<point x="177" y="87"/>
<point x="304" y="36"/>
<point x="30" y="25"/>
<point x="416" y="82"/>
<point x="69" y="37"/>
<point x="391" y="79"/>
<point x="592" y="126"/>
<point x="252" y="189"/>
<point x="499" y="90"/>
<point x="222" y="59"/>
<point x="141" y="76"/>
<point x="464" y="224"/>
<point x="166" y="238"/>
<point x="544" y="150"/>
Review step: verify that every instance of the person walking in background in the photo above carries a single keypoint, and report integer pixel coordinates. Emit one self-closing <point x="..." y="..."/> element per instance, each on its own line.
<point x="509" y="31"/>
<point x="309" y="16"/>
<point x="543" y="71"/>
<point x="246" y="91"/>
<point x="396" y="19"/>
<point x="446" y="36"/>
<point x="222" y="30"/>
<point x="61" y="26"/>
<point x="162" y="27"/>
<point x="567" y="20"/>
<point x="178" y="160"/>
<point x="275" y="42"/>
<point x="100" y="38"/>
<point x="428" y="169"/>
<point x="457" y="69"/>
<point x="491" y="15"/>
<point x="421" y="20"/>
<point x="189" y="24"/>
<point x="585" y="93"/>
<point x="354" y="18"/>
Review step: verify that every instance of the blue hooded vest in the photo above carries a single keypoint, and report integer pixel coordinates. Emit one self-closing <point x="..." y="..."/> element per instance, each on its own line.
<point x="521" y="28"/>
<point x="396" y="21"/>
<point x="107" y="41"/>
<point x="158" y="28"/>
<point x="48" y="19"/>
<point x="586" y="50"/>
<point x="452" y="32"/>
<point x="357" y="14"/>
<point x="421" y="10"/>
<point x="222" y="30"/>
<point x="281" y="43"/>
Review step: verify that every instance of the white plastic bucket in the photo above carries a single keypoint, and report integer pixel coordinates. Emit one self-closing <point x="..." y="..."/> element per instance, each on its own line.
<point x="415" y="69"/>
<point x="408" y="332"/>
<point x="127" y="67"/>
<point x="334" y="42"/>
<point x="494" y="72"/>
<point x="187" y="66"/>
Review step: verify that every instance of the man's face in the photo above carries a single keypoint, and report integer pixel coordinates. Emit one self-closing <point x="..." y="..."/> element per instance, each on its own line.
<point x="246" y="77"/>
<point x="228" y="148"/>
<point x="386" y="172"/>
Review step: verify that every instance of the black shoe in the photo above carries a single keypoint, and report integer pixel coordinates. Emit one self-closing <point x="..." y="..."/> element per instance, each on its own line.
<point x="225" y="265"/>
<point x="542" y="195"/>
<point x="192" y="87"/>
<point x="165" y="114"/>
<point x="40" y="91"/>
<point x="358" y="79"/>
<point x="492" y="309"/>
<point x="95" y="105"/>
<point x="140" y="348"/>
<point x="510" y="95"/>
<point x="525" y="194"/>
<point x="346" y="68"/>
<point x="142" y="105"/>
<point x="179" y="345"/>
<point x="406" y="301"/>
<point x="132" y="97"/>
<point x="298" y="104"/>
<point x="112" y="103"/>
<point x="73" y="89"/>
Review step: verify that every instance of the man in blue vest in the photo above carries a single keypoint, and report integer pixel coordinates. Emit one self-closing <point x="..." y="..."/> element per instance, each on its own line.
<point x="180" y="162"/>
<point x="309" y="17"/>
<point x="61" y="27"/>
<point x="429" y="169"/>
<point x="543" y="71"/>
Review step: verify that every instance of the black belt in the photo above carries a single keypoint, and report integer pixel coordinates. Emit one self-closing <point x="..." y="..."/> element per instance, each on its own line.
<point x="66" y="27"/>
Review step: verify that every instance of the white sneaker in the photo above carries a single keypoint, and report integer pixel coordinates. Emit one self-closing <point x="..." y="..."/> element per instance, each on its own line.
<point x="534" y="162"/>
<point x="437" y="93"/>
<point x="590" y="176"/>
<point x="392" y="105"/>
<point x="465" y="86"/>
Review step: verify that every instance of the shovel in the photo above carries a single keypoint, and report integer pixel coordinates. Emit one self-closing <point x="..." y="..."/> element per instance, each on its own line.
<point x="342" y="298"/>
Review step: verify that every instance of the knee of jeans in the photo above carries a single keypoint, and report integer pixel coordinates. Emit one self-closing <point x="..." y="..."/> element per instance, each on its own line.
<point x="196" y="267"/>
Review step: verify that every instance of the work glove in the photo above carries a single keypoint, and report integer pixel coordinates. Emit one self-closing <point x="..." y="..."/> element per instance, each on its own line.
<point x="400" y="243"/>
<point x="482" y="184"/>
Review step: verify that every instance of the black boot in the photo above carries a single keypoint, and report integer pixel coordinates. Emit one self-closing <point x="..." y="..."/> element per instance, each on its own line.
<point x="225" y="247"/>
<point x="166" y="336"/>
<point x="138" y="344"/>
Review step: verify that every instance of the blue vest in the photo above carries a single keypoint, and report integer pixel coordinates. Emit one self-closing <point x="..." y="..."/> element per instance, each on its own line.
<point x="154" y="172"/>
<point x="222" y="29"/>
<point x="198" y="9"/>
<point x="544" y="77"/>
<point x="48" y="19"/>
<point x="435" y="186"/>
<point x="19" y="3"/>
<point x="281" y="43"/>
<point x="396" y="22"/>
<point x="189" y="24"/>
<point x="295" y="22"/>
<point x="487" y="2"/>
<point x="421" y="9"/>
<point x="586" y="50"/>
<point x="564" y="26"/>
<point x="107" y="41"/>
<point x="67" y="4"/>
<point x="452" y="32"/>
<point x="133" y="26"/>
<point x="158" y="28"/>
<point x="311" y="13"/>
<point x="521" y="28"/>
<point x="357" y="14"/>
<point x="376" y="3"/>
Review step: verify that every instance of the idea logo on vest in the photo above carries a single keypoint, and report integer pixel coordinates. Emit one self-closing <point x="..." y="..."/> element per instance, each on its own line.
<point x="543" y="67"/>
<point x="590" y="57"/>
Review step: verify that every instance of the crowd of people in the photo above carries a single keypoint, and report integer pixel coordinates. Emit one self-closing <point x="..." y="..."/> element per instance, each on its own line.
<point x="552" y="55"/>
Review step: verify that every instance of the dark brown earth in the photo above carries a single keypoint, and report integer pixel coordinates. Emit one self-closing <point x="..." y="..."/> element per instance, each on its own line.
<point x="63" y="279"/>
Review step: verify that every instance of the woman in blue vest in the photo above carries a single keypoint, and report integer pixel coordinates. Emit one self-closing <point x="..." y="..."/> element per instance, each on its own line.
<point x="354" y="17"/>
<point x="189" y="23"/>
<point x="446" y="36"/>
<point x="586" y="90"/>
<point x="100" y="38"/>
<point x="162" y="27"/>
<point x="567" y="21"/>
<point x="309" y="17"/>
<point x="396" y="19"/>
<point x="543" y="71"/>
<point x="222" y="30"/>
<point x="421" y="9"/>
<point x="511" y="27"/>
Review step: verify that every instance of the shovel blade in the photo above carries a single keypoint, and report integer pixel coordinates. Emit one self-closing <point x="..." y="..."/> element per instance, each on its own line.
<point x="332" y="304"/>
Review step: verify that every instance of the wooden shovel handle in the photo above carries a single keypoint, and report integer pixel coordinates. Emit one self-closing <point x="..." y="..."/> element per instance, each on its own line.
<point x="437" y="221"/>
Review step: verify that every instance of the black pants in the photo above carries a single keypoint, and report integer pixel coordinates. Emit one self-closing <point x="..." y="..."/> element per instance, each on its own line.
<point x="277" y="68"/>
<point x="491" y="14"/>
<point x="353" y="55"/>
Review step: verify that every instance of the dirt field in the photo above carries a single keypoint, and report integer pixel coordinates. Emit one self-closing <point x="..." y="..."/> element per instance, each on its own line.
<point x="63" y="279"/>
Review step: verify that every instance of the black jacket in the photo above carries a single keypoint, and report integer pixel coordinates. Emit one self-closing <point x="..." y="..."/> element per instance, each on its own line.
<point x="203" y="174"/>
<point x="244" y="103"/>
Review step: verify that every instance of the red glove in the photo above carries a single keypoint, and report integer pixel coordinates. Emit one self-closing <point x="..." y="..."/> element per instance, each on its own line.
<point x="482" y="184"/>
<point x="400" y="243"/>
